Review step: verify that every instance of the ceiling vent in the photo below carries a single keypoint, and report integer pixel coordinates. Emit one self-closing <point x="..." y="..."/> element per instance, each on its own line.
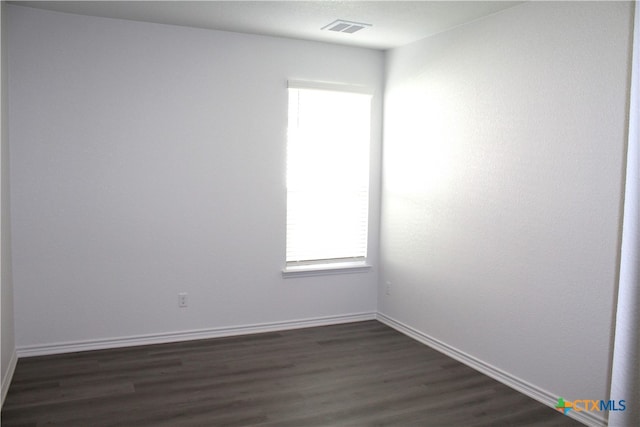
<point x="342" y="26"/>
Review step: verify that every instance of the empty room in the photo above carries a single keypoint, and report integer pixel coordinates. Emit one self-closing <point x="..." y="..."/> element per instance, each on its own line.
<point x="320" y="213"/>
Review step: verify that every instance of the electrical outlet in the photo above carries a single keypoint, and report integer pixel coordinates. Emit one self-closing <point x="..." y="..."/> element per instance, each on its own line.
<point x="388" y="288"/>
<point x="182" y="299"/>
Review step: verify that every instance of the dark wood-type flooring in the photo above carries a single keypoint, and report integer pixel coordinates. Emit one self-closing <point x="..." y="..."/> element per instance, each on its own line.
<point x="357" y="374"/>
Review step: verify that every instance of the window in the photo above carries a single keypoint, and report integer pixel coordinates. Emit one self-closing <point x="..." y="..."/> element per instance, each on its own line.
<point x="327" y="177"/>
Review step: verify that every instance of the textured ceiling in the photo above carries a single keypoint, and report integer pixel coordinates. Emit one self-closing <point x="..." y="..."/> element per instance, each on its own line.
<point x="394" y="23"/>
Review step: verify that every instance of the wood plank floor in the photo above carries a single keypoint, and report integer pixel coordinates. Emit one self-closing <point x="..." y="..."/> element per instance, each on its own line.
<point x="357" y="374"/>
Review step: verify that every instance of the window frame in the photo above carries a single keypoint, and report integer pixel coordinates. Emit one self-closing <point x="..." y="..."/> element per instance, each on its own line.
<point x="346" y="265"/>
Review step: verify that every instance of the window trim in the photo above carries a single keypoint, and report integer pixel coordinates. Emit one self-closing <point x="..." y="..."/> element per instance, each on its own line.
<point x="329" y="86"/>
<point x="325" y="268"/>
<point x="329" y="267"/>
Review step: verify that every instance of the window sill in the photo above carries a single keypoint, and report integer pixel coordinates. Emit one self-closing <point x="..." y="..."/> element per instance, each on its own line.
<point x="325" y="269"/>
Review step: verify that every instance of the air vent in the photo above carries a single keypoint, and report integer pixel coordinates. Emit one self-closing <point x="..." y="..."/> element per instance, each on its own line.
<point x="342" y="26"/>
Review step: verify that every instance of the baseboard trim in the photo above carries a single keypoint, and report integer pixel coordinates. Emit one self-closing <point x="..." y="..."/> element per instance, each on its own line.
<point x="102" y="344"/>
<point x="8" y="376"/>
<point x="507" y="379"/>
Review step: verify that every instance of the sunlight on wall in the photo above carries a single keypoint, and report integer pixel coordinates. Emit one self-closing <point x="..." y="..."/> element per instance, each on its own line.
<point x="420" y="160"/>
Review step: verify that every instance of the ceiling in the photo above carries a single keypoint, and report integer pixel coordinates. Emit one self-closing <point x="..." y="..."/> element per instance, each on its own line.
<point x="393" y="23"/>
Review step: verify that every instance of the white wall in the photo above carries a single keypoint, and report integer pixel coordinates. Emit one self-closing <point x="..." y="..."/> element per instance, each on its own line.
<point x="148" y="160"/>
<point x="625" y="375"/>
<point x="502" y="179"/>
<point x="8" y="345"/>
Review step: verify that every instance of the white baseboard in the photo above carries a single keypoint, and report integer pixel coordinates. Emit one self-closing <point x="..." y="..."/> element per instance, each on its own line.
<point x="70" y="347"/>
<point x="524" y="387"/>
<point x="8" y="376"/>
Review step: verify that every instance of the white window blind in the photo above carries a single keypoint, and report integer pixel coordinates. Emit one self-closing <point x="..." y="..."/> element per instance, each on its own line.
<point x="327" y="175"/>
